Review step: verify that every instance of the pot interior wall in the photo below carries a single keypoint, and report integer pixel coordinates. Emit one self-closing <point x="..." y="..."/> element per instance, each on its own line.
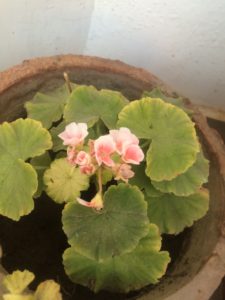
<point x="199" y="246"/>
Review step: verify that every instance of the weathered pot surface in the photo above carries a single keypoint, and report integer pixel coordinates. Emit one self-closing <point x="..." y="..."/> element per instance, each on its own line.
<point x="198" y="272"/>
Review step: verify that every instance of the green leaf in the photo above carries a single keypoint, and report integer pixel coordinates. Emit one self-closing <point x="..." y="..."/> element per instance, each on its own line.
<point x="124" y="273"/>
<point x="64" y="182"/>
<point x="157" y="93"/>
<point x="87" y="104"/>
<point x="112" y="231"/>
<point x="107" y="175"/>
<point x="18" y="182"/>
<point x="19" y="141"/>
<point x="174" y="144"/>
<point x="189" y="182"/>
<point x="24" y="139"/>
<point x="48" y="290"/>
<point x="173" y="213"/>
<point x="40" y="164"/>
<point x="142" y="181"/>
<point x="61" y="154"/>
<point x="18" y="281"/>
<point x="48" y="108"/>
<point x="57" y="142"/>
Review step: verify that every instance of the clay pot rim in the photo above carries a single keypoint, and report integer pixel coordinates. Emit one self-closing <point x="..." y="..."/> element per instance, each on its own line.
<point x="214" y="269"/>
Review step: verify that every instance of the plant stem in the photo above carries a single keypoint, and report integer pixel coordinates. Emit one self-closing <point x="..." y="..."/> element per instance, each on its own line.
<point x="67" y="80"/>
<point x="99" y="175"/>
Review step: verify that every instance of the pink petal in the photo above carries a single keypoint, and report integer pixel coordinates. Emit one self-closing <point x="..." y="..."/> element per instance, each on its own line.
<point x="123" y="137"/>
<point x="104" y="146"/>
<point x="108" y="161"/>
<point x="74" y="134"/>
<point x="88" y="169"/>
<point x="124" y="172"/>
<point x="83" y="158"/>
<point x="133" y="154"/>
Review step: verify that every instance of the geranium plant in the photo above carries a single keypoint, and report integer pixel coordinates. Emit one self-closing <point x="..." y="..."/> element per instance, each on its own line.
<point x="127" y="172"/>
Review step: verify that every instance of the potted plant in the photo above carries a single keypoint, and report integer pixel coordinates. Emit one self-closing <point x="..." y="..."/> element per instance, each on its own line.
<point x="121" y="173"/>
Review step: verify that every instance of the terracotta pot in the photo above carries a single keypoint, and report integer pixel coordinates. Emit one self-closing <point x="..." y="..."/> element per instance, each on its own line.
<point x="199" y="271"/>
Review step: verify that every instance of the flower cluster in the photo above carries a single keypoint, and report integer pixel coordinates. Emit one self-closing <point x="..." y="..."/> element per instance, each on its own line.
<point x="115" y="151"/>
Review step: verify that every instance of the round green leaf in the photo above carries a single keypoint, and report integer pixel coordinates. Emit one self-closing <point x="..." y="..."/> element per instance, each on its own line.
<point x="40" y="164"/>
<point x="64" y="182"/>
<point x="87" y="104"/>
<point x="48" y="290"/>
<point x="48" y="108"/>
<point x="19" y="141"/>
<point x="24" y="139"/>
<point x="57" y="142"/>
<point x="124" y="273"/>
<point x="189" y="182"/>
<point x="18" y="184"/>
<point x="173" y="213"/>
<point x="143" y="182"/>
<point x="18" y="281"/>
<point x="107" y="175"/>
<point x="157" y="93"/>
<point x="112" y="231"/>
<point x="174" y="144"/>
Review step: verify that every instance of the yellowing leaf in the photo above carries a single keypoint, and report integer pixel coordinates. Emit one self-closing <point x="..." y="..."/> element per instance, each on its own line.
<point x="18" y="297"/>
<point x="64" y="182"/>
<point x="48" y="290"/>
<point x="18" y="281"/>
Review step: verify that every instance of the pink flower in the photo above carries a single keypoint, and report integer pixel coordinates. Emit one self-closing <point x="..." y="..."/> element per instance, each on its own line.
<point x="74" y="134"/>
<point x="88" y="169"/>
<point x="96" y="202"/>
<point x="132" y="154"/>
<point x="124" y="172"/>
<point x="71" y="156"/>
<point x="83" y="158"/>
<point x="122" y="138"/>
<point x="104" y="147"/>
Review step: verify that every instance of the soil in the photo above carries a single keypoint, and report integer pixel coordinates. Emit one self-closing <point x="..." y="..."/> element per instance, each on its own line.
<point x="37" y="242"/>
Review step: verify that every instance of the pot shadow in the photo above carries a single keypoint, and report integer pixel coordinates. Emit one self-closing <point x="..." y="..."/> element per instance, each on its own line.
<point x="37" y="242"/>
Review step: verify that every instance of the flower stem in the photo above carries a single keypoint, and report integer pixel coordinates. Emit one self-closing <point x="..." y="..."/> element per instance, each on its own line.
<point x="99" y="175"/>
<point x="67" y="80"/>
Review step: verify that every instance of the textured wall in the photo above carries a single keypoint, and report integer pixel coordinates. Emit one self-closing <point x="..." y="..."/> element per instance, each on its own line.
<point x="181" y="41"/>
